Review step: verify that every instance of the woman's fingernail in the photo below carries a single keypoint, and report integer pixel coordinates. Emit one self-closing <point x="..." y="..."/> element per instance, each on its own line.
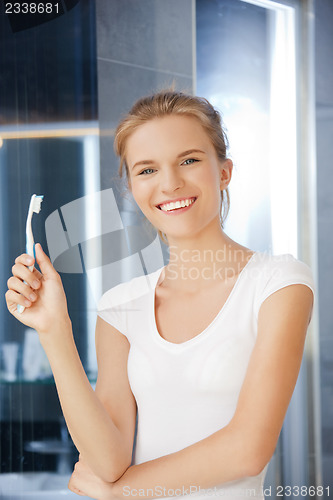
<point x="27" y="302"/>
<point x="35" y="284"/>
<point x="33" y="296"/>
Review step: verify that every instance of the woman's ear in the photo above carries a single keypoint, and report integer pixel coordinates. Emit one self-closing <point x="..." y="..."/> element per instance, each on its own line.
<point x="226" y="173"/>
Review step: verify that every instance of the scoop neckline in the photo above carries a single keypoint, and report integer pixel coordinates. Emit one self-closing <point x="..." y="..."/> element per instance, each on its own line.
<point x="200" y="335"/>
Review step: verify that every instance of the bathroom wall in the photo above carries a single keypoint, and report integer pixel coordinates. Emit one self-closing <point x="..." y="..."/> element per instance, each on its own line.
<point x="141" y="47"/>
<point x="324" y="126"/>
<point x="47" y="92"/>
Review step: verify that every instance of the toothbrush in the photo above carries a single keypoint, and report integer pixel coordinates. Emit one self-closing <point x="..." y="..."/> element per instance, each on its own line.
<point x="35" y="206"/>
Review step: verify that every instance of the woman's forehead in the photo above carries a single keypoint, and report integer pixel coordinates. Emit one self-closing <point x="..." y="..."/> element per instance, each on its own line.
<point x="171" y="132"/>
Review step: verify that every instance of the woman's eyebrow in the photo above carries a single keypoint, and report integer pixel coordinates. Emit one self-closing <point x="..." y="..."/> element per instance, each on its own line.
<point x="189" y="152"/>
<point x="142" y="162"/>
<point x="184" y="153"/>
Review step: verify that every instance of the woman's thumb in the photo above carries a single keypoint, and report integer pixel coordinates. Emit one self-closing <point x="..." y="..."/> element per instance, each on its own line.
<point x="44" y="262"/>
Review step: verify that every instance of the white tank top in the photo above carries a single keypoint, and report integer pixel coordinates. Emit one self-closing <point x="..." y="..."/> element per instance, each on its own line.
<point x="185" y="392"/>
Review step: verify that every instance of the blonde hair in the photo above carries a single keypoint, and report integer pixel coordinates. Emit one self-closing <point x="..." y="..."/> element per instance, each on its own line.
<point x="167" y="103"/>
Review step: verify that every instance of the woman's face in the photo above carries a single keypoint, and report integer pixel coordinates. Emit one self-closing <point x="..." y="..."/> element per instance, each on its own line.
<point x="175" y="175"/>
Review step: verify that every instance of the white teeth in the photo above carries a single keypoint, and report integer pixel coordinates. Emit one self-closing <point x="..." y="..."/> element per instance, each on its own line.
<point x="177" y="204"/>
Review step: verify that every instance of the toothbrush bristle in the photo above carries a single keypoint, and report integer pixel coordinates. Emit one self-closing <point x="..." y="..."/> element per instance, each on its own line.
<point x="37" y="203"/>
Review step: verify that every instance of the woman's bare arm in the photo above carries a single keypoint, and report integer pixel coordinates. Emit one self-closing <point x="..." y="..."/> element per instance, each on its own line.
<point x="101" y="424"/>
<point x="113" y="388"/>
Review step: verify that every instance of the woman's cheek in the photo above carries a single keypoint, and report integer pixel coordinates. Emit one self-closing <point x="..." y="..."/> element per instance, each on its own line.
<point x="142" y="194"/>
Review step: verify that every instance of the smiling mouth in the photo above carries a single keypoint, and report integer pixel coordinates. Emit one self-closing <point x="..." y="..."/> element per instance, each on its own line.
<point x="176" y="205"/>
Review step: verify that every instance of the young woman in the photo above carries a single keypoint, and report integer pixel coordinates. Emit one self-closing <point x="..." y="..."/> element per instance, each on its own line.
<point x="206" y="350"/>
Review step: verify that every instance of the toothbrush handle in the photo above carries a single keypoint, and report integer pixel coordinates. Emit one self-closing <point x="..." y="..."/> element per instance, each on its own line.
<point x="20" y="308"/>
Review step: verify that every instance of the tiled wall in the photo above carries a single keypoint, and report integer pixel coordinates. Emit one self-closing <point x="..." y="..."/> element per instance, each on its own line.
<point x="324" y="124"/>
<point x="142" y="46"/>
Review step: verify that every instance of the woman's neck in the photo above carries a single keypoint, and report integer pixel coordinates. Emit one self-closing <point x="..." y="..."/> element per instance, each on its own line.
<point x="203" y="260"/>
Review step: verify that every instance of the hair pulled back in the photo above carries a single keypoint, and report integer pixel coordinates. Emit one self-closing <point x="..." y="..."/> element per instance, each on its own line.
<point x="167" y="103"/>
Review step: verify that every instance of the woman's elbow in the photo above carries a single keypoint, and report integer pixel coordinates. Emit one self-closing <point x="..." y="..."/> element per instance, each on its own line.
<point x="111" y="468"/>
<point x="252" y="451"/>
<point x="258" y="460"/>
<point x="255" y="467"/>
<point x="112" y="472"/>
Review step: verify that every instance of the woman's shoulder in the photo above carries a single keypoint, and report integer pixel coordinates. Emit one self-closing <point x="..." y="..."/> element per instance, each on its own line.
<point x="130" y="290"/>
<point x="282" y="263"/>
<point x="116" y="305"/>
<point x="278" y="271"/>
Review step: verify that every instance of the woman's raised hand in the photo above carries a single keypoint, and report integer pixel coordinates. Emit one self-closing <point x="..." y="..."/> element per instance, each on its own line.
<point x="42" y="294"/>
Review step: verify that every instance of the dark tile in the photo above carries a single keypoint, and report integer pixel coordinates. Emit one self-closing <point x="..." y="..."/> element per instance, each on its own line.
<point x="148" y="33"/>
<point x="326" y="382"/>
<point x="120" y="86"/>
<point x="327" y="475"/>
<point x="324" y="125"/>
<point x="324" y="54"/>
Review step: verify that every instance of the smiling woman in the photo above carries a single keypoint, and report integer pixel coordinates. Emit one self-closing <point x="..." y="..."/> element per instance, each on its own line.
<point x="205" y="352"/>
<point x="180" y="105"/>
<point x="183" y="167"/>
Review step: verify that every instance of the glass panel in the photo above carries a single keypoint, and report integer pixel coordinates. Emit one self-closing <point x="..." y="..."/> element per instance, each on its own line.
<point x="49" y="144"/>
<point x="52" y="144"/>
<point x="246" y="66"/>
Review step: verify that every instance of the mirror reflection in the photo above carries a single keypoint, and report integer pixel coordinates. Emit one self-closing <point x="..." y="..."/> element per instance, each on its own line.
<point x="65" y="83"/>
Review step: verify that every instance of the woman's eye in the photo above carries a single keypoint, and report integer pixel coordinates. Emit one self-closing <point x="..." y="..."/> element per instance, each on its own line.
<point x="189" y="161"/>
<point x="147" y="171"/>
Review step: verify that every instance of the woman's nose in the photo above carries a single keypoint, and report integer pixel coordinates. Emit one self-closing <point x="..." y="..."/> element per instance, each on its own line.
<point x="171" y="180"/>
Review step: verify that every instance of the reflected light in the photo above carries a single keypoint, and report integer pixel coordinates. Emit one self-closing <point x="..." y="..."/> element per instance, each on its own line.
<point x="40" y="134"/>
<point x="60" y="129"/>
<point x="283" y="132"/>
<point x="1" y="142"/>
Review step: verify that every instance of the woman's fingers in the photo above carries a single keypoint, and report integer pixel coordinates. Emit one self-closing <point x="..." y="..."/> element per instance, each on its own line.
<point x="22" y="288"/>
<point x="25" y="259"/>
<point x="84" y="482"/>
<point x="13" y="299"/>
<point x="72" y="487"/>
<point x="45" y="264"/>
<point x="41" y="293"/>
<point x="73" y="484"/>
<point x="32" y="278"/>
<point x="24" y="284"/>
